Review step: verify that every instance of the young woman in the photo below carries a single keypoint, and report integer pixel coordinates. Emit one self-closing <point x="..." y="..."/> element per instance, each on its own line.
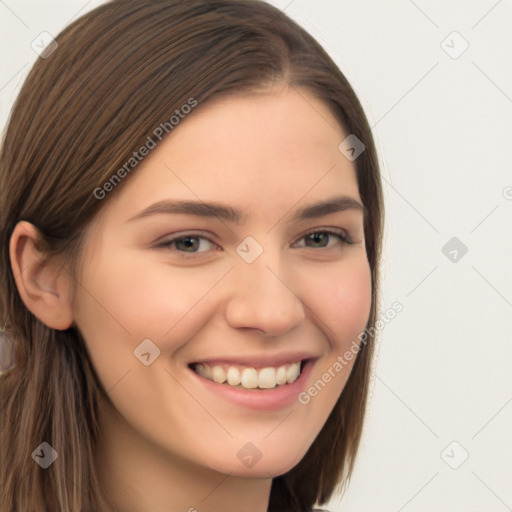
<point x="191" y="220"/>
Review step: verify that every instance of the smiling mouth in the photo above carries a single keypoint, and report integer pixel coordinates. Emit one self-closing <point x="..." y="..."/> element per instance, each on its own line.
<point x="247" y="377"/>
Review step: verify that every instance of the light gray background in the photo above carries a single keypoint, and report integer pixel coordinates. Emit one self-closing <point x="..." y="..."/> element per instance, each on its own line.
<point x="443" y="130"/>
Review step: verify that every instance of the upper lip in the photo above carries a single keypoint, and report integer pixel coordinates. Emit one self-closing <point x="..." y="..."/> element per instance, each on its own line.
<point x="259" y="360"/>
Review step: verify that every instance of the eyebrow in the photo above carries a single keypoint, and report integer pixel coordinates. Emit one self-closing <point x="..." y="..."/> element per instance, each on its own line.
<point x="229" y="214"/>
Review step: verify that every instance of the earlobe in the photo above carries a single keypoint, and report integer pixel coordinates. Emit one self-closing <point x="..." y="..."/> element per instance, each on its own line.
<point x="43" y="284"/>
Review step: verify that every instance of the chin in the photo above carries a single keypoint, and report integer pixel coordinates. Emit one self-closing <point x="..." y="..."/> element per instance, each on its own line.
<point x="270" y="466"/>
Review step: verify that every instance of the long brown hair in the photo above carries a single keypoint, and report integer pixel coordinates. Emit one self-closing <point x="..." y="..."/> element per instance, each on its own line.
<point x="118" y="72"/>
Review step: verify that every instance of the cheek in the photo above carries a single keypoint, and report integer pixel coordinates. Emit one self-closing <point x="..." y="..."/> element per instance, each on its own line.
<point x="161" y="301"/>
<point x="127" y="299"/>
<point x="343" y="301"/>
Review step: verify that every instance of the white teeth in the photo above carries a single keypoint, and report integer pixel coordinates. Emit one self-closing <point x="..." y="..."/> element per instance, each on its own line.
<point x="250" y="378"/>
<point x="208" y="372"/>
<point x="219" y="375"/>
<point x="233" y="376"/>
<point x="204" y="371"/>
<point x="292" y="372"/>
<point x="267" y="378"/>
<point x="281" y="375"/>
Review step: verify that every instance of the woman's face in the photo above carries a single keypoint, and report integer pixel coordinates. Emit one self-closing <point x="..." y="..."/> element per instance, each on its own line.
<point x="244" y="293"/>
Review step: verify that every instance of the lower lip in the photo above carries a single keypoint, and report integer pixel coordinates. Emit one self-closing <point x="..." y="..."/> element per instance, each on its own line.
<point x="264" y="399"/>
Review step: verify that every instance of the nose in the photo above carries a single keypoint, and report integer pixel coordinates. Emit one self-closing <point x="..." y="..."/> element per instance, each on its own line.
<point x="262" y="298"/>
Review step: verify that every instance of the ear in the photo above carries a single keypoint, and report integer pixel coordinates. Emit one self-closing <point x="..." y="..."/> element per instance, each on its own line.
<point x="44" y="286"/>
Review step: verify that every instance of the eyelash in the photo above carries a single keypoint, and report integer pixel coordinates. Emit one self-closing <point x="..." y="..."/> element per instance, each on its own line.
<point x="342" y="237"/>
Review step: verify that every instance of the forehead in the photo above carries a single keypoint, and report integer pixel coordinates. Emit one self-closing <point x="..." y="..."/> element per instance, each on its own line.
<point x="249" y="151"/>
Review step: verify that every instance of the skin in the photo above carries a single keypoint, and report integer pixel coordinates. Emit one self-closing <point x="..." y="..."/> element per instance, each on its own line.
<point x="166" y="443"/>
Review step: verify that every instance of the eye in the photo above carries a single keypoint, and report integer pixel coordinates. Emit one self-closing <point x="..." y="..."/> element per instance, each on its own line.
<point x="188" y="243"/>
<point x="323" y="237"/>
